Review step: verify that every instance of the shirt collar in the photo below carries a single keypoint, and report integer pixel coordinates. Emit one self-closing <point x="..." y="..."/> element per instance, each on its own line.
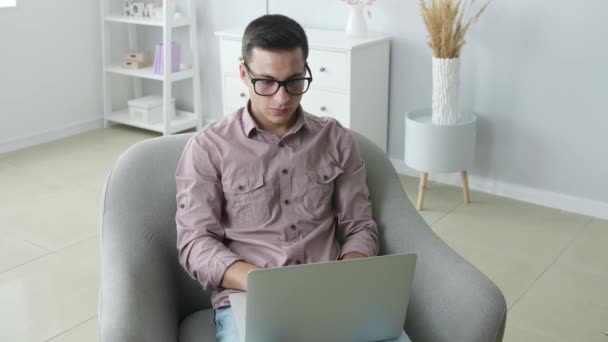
<point x="249" y="125"/>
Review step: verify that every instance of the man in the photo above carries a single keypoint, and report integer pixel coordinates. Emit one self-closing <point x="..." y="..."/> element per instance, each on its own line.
<point x="271" y="185"/>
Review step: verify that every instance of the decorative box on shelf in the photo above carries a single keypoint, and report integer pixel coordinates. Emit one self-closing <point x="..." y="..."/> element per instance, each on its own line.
<point x="135" y="60"/>
<point x="149" y="109"/>
<point x="136" y="56"/>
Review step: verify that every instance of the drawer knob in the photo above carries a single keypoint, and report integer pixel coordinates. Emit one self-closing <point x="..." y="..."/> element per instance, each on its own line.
<point x="242" y="94"/>
<point x="323" y="108"/>
<point x="322" y="69"/>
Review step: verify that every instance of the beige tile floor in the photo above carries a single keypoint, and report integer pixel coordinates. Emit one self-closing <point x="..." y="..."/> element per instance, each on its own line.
<point x="551" y="265"/>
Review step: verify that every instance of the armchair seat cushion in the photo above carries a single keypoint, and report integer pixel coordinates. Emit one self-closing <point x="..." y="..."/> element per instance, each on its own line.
<point x="198" y="327"/>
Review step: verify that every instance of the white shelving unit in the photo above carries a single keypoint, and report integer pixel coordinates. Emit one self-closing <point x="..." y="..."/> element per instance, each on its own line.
<point x="111" y="14"/>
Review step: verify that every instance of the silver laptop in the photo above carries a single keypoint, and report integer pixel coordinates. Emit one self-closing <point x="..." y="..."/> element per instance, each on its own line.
<point x="358" y="300"/>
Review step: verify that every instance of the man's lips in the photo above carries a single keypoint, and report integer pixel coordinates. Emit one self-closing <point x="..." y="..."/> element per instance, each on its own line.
<point x="280" y="110"/>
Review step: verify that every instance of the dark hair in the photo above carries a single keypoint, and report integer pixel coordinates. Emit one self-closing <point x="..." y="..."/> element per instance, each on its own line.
<point x="274" y="32"/>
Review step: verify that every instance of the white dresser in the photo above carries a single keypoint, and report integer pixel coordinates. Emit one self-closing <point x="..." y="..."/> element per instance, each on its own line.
<point x="350" y="79"/>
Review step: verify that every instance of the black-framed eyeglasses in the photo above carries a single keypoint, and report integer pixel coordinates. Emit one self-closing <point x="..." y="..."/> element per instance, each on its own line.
<point x="269" y="87"/>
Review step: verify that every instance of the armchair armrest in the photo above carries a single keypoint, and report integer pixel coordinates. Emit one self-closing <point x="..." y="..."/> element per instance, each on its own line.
<point x="144" y="292"/>
<point x="451" y="300"/>
<point x="137" y="295"/>
<point x="138" y="298"/>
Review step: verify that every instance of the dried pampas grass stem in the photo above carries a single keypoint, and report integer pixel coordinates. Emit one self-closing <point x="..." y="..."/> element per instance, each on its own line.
<point x="446" y="24"/>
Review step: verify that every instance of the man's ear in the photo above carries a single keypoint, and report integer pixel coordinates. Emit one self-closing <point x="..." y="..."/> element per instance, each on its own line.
<point x="243" y="74"/>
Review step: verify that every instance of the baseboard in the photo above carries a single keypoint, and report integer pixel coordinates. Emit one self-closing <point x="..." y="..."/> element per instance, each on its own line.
<point x="518" y="192"/>
<point x="14" y="144"/>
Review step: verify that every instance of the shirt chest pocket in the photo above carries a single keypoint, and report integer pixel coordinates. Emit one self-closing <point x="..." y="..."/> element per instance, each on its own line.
<point x="317" y="197"/>
<point x="245" y="200"/>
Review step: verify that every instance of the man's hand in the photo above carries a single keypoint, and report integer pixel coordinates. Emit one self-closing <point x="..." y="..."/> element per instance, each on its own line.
<point x="353" y="255"/>
<point x="236" y="276"/>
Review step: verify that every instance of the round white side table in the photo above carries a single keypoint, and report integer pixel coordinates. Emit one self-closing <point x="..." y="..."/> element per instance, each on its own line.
<point x="439" y="149"/>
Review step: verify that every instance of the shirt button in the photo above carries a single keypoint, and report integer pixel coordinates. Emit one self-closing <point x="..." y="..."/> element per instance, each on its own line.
<point x="281" y="145"/>
<point x="285" y="171"/>
<point x="293" y="226"/>
<point x="240" y="187"/>
<point x="182" y="206"/>
<point x="286" y="202"/>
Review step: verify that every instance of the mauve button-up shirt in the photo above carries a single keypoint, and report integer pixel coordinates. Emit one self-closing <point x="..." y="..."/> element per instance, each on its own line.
<point x="244" y="194"/>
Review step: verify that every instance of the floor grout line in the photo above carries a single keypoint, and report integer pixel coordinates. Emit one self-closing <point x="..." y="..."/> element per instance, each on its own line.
<point x="568" y="245"/>
<point x="447" y="213"/>
<point x="10" y="164"/>
<point x="26" y="263"/>
<point x="74" y="327"/>
<point x="37" y="245"/>
<point x="47" y="253"/>
<point x="12" y="236"/>
<point x="91" y="237"/>
<point x="441" y="217"/>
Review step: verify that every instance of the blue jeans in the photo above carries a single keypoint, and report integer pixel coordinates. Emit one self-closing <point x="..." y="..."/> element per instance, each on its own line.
<point x="226" y="331"/>
<point x="225" y="325"/>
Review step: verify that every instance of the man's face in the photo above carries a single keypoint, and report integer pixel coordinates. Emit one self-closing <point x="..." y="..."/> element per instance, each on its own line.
<point x="275" y="112"/>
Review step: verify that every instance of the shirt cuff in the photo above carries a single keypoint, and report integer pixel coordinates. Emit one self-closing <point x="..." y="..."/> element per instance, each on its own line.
<point x="219" y="264"/>
<point x="355" y="245"/>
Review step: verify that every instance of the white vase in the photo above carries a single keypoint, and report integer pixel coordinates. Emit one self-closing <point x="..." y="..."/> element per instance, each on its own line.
<point x="356" y="24"/>
<point x="446" y="81"/>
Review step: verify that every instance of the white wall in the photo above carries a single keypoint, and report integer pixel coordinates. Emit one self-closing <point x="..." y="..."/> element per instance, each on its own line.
<point x="50" y="69"/>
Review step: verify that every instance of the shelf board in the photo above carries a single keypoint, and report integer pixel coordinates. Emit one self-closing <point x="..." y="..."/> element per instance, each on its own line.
<point x="148" y="72"/>
<point x="182" y="121"/>
<point x="159" y="22"/>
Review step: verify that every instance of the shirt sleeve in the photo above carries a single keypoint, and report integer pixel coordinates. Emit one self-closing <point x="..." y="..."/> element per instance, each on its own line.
<point x="356" y="229"/>
<point x="198" y="219"/>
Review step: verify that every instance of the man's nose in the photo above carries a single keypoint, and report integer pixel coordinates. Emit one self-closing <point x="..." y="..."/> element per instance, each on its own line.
<point x="282" y="95"/>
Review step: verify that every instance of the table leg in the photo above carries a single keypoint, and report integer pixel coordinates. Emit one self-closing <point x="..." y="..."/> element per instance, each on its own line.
<point x="465" y="187"/>
<point x="421" y="187"/>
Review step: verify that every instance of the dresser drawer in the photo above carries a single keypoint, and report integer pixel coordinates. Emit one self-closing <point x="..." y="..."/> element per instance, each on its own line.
<point x="236" y="94"/>
<point x="327" y="103"/>
<point x="231" y="55"/>
<point x="328" y="69"/>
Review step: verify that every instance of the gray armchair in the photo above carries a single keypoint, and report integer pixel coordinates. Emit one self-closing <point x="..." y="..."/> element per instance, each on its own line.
<point x="146" y="296"/>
